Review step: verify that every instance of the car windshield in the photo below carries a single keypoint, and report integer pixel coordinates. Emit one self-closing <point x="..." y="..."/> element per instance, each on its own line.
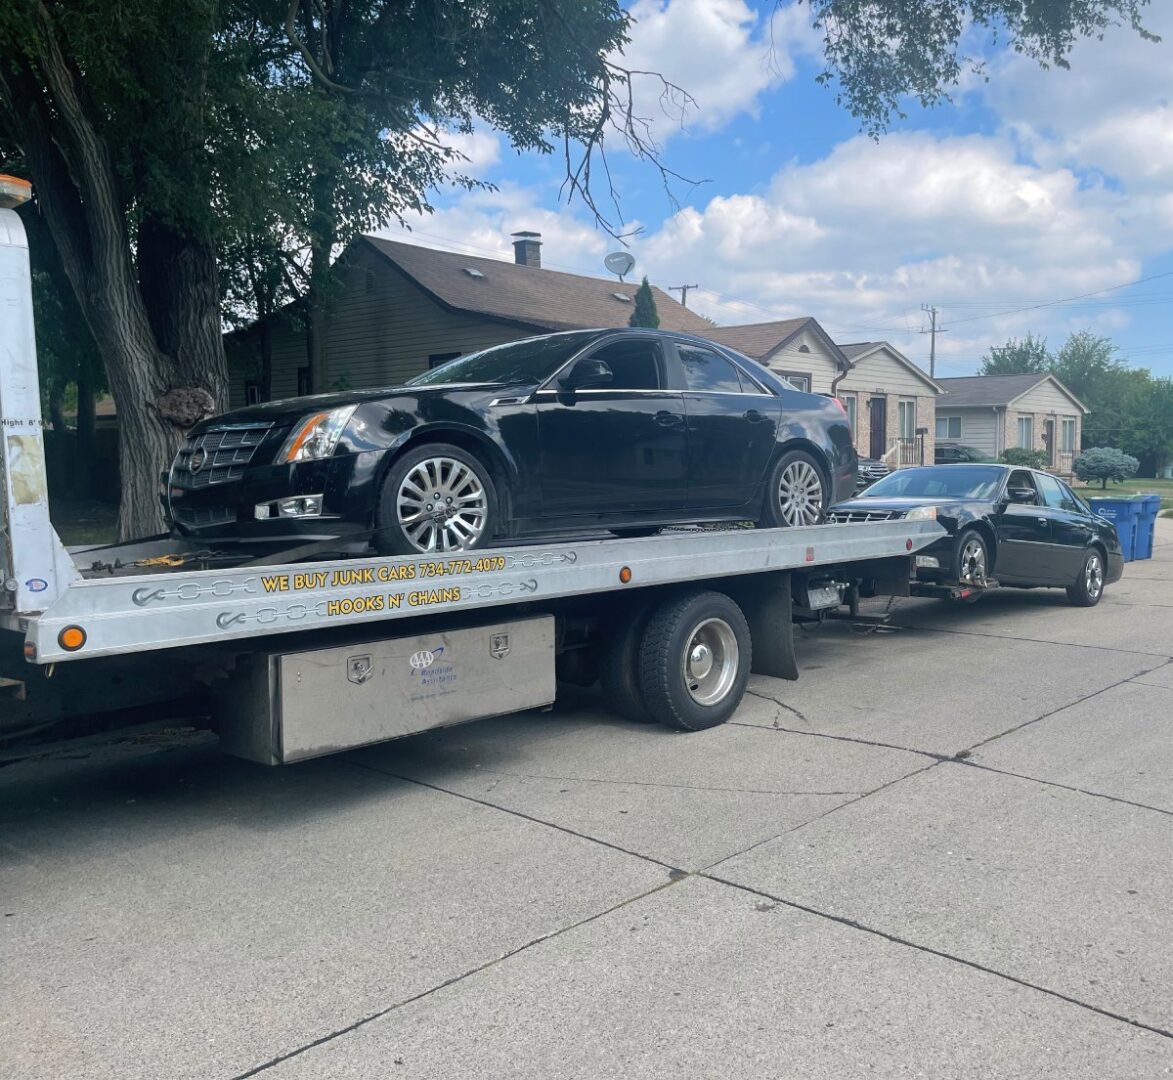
<point x="945" y="481"/>
<point x="529" y="361"/>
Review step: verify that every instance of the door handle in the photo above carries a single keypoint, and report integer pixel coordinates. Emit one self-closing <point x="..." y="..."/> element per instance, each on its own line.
<point x="1042" y="521"/>
<point x="668" y="419"/>
<point x="754" y="417"/>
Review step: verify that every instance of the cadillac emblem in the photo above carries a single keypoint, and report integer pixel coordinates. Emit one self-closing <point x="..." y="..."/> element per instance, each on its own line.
<point x="197" y="460"/>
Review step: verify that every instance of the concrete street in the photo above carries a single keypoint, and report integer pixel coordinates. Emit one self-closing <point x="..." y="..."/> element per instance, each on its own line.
<point x="945" y="852"/>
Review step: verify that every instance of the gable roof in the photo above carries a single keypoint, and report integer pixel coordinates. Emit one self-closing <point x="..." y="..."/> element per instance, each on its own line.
<point x="997" y="390"/>
<point x="857" y="350"/>
<point x="761" y="340"/>
<point x="529" y="295"/>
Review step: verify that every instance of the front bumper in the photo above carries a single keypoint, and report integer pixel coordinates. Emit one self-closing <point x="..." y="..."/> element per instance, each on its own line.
<point x="347" y="484"/>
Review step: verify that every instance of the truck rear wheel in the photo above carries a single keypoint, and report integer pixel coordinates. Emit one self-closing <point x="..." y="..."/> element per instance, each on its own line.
<point x="619" y="664"/>
<point x="695" y="661"/>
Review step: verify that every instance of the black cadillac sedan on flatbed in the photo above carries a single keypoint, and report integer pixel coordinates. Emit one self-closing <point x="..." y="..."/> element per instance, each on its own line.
<point x="1022" y="527"/>
<point x="626" y="430"/>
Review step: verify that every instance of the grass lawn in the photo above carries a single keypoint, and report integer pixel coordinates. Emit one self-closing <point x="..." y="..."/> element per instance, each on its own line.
<point x="80" y="522"/>
<point x="1164" y="488"/>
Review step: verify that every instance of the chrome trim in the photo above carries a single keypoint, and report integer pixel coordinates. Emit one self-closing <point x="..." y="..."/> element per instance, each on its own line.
<point x="610" y="390"/>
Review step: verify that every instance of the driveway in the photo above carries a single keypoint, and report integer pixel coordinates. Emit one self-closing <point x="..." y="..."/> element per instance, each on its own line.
<point x="944" y="852"/>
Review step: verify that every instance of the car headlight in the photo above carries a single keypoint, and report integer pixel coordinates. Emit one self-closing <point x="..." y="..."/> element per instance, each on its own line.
<point x="315" y="436"/>
<point x="921" y="513"/>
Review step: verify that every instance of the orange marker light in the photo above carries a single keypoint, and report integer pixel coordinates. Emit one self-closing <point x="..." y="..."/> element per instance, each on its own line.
<point x="71" y="638"/>
<point x="306" y="430"/>
<point x="625" y="574"/>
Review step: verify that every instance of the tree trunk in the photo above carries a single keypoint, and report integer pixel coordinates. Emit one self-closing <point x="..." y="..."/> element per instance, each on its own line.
<point x="84" y="447"/>
<point x="266" y="373"/>
<point x="323" y="229"/>
<point x="57" y="413"/>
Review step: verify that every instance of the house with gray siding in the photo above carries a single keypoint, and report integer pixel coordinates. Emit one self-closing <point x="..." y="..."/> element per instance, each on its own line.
<point x="993" y="413"/>
<point x="399" y="309"/>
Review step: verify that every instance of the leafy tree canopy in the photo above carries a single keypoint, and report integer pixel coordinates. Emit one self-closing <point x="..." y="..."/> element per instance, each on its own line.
<point x="1026" y="357"/>
<point x="880" y="52"/>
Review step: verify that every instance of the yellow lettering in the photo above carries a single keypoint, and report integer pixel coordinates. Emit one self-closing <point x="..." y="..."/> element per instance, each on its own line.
<point x="277" y="583"/>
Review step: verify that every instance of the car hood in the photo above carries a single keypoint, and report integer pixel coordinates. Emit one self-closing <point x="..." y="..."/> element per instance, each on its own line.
<point x="289" y="409"/>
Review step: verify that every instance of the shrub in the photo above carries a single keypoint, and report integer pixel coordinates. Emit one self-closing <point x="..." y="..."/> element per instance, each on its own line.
<point x="1105" y="463"/>
<point x="1028" y="459"/>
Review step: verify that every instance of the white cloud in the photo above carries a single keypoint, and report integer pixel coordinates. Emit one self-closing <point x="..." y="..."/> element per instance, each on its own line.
<point x="863" y="237"/>
<point x="720" y="51"/>
<point x="480" y="150"/>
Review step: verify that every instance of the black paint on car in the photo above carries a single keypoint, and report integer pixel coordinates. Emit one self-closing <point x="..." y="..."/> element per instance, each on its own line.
<point x="1020" y="527"/>
<point x="627" y="430"/>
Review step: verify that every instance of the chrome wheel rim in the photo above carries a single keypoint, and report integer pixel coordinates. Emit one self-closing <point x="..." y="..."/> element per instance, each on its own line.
<point x="441" y="505"/>
<point x="973" y="563"/>
<point x="1093" y="576"/>
<point x="800" y="494"/>
<point x="709" y="663"/>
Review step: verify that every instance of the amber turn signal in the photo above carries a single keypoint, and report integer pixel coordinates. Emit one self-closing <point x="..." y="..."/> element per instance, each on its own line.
<point x="71" y="638"/>
<point x="625" y="574"/>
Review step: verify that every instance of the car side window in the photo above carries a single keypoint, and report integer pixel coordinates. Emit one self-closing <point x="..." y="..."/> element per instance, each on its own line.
<point x="707" y="370"/>
<point x="635" y="364"/>
<point x="1073" y="502"/>
<point x="1053" y="493"/>
<point x="1022" y="490"/>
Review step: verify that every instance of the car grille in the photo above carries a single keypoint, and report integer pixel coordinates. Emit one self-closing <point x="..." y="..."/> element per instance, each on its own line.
<point x="199" y="517"/>
<point x="844" y="517"/>
<point x="218" y="456"/>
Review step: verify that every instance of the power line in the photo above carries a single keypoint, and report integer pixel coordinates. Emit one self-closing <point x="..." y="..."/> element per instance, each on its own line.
<point x="683" y="290"/>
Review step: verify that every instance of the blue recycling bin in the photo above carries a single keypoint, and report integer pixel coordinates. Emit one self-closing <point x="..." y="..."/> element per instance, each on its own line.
<point x="1145" y="524"/>
<point x="1124" y="514"/>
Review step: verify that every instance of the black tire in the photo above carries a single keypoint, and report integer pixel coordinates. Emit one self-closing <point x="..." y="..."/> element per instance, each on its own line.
<point x="619" y="664"/>
<point x="1089" y="585"/>
<point x="971" y="559"/>
<point x="391" y="537"/>
<point x="798" y="473"/>
<point x="673" y="692"/>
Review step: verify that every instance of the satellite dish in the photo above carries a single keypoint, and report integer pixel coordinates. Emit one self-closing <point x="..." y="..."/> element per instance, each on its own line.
<point x="619" y="263"/>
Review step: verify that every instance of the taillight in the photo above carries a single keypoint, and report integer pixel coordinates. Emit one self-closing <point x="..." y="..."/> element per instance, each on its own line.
<point x="842" y="407"/>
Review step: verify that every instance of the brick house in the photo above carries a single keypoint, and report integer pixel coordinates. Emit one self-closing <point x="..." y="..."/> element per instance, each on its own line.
<point x="993" y="413"/>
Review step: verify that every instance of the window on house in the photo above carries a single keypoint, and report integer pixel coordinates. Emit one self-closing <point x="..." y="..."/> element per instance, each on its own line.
<point x="437" y="358"/>
<point x="1067" y="437"/>
<point x="799" y="380"/>
<point x="303" y="381"/>
<point x="948" y="427"/>
<point x="906" y="415"/>
<point x="252" y="393"/>
<point x="1026" y="432"/>
<point x="849" y="405"/>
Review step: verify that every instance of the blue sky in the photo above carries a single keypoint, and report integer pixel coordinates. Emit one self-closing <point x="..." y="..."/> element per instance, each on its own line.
<point x="1035" y="187"/>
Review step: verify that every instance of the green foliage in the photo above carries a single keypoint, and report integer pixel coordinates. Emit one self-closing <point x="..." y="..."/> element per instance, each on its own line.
<point x="882" y="53"/>
<point x="1105" y="463"/>
<point x="645" y="313"/>
<point x="1020" y="455"/>
<point x="1026" y="357"/>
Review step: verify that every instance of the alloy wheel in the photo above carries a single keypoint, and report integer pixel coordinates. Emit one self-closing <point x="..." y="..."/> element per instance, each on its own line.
<point x="800" y="494"/>
<point x="973" y="562"/>
<point x="710" y="661"/>
<point x="441" y="505"/>
<point x="1093" y="576"/>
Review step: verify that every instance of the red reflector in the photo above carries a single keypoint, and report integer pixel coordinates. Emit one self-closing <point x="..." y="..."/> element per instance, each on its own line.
<point x="810" y="554"/>
<point x="908" y="545"/>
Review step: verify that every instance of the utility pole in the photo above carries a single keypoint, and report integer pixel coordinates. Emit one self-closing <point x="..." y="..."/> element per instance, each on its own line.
<point x="932" y="330"/>
<point x="683" y="290"/>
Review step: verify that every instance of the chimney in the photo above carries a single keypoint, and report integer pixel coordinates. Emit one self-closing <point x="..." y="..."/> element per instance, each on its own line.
<point x="527" y="249"/>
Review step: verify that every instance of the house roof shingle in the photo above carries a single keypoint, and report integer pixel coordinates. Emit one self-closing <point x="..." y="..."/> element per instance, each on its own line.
<point x="988" y="390"/>
<point x="543" y="299"/>
<point x="757" y="339"/>
<point x="858" y="348"/>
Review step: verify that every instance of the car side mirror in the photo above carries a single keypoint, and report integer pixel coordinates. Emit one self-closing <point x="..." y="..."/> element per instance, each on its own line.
<point x="1022" y="496"/>
<point x="588" y="374"/>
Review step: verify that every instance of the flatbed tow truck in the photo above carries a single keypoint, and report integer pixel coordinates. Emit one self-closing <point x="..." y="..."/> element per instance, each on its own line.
<point x="295" y="659"/>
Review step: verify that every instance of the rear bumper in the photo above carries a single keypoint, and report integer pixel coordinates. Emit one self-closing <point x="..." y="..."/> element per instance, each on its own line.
<point x="1114" y="569"/>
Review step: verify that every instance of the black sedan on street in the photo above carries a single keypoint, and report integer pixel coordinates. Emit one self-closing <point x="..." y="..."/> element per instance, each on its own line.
<point x="624" y="430"/>
<point x="1021" y="527"/>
